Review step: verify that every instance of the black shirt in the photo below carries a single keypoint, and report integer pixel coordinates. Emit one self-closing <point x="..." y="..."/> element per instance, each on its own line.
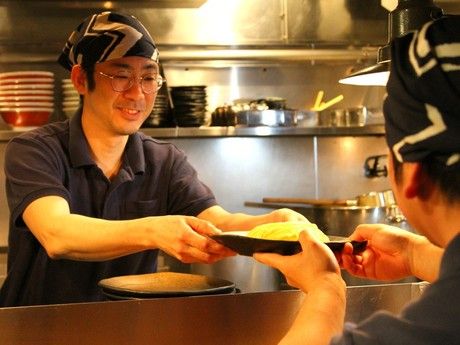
<point x="433" y="319"/>
<point x="155" y="179"/>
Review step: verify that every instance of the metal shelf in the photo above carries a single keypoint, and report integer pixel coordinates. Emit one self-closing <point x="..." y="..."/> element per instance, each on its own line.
<point x="262" y="131"/>
<point x="269" y="54"/>
<point x="265" y="131"/>
<point x="116" y="4"/>
<point x="22" y="52"/>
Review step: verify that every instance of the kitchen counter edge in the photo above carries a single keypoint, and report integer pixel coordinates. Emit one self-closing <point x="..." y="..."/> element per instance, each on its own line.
<point x="262" y="131"/>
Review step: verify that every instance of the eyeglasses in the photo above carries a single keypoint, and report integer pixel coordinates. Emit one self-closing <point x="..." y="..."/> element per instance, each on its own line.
<point x="122" y="82"/>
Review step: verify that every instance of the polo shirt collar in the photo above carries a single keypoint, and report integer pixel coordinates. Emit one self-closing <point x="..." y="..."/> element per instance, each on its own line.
<point x="134" y="154"/>
<point x="78" y="146"/>
<point x="133" y="160"/>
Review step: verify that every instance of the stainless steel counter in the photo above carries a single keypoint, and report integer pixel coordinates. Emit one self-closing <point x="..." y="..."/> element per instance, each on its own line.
<point x="246" y="319"/>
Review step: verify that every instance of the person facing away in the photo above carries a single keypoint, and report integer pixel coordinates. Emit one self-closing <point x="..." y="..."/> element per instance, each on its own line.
<point x="422" y="120"/>
<point x="92" y="197"/>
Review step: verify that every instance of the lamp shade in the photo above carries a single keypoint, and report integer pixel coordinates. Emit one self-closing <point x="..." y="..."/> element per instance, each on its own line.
<point x="375" y="75"/>
<point x="408" y="16"/>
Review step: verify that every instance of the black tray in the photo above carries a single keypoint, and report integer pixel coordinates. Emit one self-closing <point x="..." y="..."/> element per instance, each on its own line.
<point x="244" y="245"/>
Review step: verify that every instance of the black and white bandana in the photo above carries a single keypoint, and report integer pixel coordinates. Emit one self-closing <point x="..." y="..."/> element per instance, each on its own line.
<point x="106" y="36"/>
<point x="422" y="108"/>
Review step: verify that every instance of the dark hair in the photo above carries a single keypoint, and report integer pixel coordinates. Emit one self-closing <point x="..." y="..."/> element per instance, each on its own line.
<point x="447" y="180"/>
<point x="88" y="68"/>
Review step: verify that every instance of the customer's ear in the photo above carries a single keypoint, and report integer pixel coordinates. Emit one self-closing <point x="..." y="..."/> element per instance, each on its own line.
<point x="415" y="181"/>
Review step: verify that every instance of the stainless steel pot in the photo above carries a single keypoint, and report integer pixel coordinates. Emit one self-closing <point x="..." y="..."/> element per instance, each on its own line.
<point x="350" y="117"/>
<point x="247" y="274"/>
<point x="342" y="220"/>
<point x="382" y="198"/>
<point x="269" y="117"/>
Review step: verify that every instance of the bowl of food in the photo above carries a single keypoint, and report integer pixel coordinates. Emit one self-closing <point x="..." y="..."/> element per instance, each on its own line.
<point x="281" y="238"/>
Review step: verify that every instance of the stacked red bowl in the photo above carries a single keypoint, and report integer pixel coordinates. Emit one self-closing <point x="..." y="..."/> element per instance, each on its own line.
<point x="70" y="98"/>
<point x="26" y="98"/>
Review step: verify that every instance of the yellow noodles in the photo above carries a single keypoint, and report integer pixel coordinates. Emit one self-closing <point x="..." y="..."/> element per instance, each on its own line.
<point x="287" y="231"/>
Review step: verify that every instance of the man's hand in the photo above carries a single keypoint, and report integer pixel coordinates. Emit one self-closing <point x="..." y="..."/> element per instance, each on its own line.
<point x="391" y="253"/>
<point x="186" y="238"/>
<point x="306" y="268"/>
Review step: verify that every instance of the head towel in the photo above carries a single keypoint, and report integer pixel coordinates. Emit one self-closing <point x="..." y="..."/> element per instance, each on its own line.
<point x="107" y="36"/>
<point x="422" y="107"/>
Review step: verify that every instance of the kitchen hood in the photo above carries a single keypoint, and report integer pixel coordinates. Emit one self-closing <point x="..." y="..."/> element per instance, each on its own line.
<point x="409" y="15"/>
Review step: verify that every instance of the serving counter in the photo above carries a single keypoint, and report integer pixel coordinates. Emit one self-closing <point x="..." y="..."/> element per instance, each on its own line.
<point x="246" y="318"/>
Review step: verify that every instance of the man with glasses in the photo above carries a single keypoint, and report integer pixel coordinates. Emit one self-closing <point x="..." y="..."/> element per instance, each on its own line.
<point x="91" y="197"/>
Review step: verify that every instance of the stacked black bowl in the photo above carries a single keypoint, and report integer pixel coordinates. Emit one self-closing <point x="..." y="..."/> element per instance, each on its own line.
<point x="189" y="105"/>
<point x="162" y="112"/>
<point x="161" y="115"/>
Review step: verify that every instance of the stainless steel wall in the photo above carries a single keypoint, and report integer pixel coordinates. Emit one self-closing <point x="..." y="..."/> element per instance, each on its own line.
<point x="41" y="26"/>
<point x="216" y="22"/>
<point x="298" y="84"/>
<point x="32" y="33"/>
<point x="250" y="168"/>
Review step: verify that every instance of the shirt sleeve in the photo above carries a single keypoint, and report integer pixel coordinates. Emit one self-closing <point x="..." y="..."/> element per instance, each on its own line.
<point x="384" y="328"/>
<point x="31" y="171"/>
<point x="368" y="332"/>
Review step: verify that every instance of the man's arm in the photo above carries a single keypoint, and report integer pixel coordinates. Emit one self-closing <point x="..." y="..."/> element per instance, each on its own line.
<point x="391" y="254"/>
<point x="426" y="259"/>
<point x="316" y="272"/>
<point x="77" y="237"/>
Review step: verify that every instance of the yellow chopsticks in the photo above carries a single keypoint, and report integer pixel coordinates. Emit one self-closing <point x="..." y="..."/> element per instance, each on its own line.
<point x="320" y="105"/>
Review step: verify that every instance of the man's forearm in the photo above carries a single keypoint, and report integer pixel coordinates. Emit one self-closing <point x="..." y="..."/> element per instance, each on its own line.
<point x="321" y="315"/>
<point x="426" y="260"/>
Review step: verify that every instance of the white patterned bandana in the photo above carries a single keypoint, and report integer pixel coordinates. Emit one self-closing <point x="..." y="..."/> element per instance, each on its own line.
<point x="422" y="109"/>
<point x="106" y="36"/>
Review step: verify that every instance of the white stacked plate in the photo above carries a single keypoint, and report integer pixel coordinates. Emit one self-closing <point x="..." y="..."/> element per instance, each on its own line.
<point x="26" y="98"/>
<point x="70" y="98"/>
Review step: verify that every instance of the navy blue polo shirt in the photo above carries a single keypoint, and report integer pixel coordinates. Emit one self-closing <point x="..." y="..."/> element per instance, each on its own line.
<point x="433" y="319"/>
<point x="155" y="179"/>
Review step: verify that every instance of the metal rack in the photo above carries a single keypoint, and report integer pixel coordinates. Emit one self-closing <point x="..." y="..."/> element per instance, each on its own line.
<point x="216" y="132"/>
<point x="108" y="4"/>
